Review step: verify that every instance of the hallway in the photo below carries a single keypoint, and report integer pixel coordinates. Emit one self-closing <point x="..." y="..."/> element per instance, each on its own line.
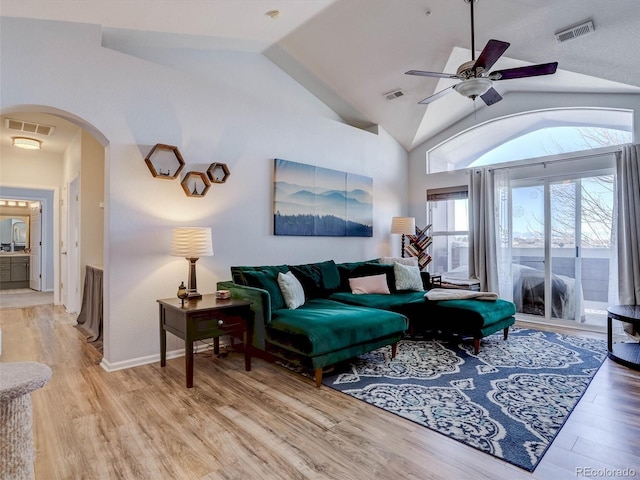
<point x="24" y="297"/>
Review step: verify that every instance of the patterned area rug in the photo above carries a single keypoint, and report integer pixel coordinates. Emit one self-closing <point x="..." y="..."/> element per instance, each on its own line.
<point x="510" y="400"/>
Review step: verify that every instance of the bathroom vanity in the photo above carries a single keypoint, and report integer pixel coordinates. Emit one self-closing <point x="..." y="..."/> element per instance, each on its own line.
<point x="14" y="270"/>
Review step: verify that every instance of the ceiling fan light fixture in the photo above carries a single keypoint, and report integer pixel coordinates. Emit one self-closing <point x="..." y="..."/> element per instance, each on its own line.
<point x="26" y="143"/>
<point x="473" y="87"/>
<point x="475" y="75"/>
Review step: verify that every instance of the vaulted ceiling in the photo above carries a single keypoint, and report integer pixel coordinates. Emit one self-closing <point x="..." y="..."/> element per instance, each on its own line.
<point x="349" y="53"/>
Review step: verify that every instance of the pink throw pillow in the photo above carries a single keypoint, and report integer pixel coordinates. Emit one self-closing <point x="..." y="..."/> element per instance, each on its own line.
<point x="372" y="284"/>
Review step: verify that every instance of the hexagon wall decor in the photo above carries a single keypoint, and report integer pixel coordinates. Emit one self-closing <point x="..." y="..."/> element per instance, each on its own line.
<point x="218" y="172"/>
<point x="195" y="184"/>
<point x="164" y="161"/>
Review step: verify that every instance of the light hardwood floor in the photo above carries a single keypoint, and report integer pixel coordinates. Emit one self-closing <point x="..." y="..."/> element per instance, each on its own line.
<point x="142" y="423"/>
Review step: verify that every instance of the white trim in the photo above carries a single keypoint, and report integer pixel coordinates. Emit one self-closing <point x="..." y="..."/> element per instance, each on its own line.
<point x="155" y="358"/>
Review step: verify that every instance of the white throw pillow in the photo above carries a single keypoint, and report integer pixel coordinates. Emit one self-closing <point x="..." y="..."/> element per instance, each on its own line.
<point x="407" y="277"/>
<point x="291" y="289"/>
<point x="413" y="261"/>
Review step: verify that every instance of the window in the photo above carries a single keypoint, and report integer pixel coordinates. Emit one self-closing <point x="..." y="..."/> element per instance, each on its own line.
<point x="553" y="141"/>
<point x="448" y="210"/>
<point x="531" y="135"/>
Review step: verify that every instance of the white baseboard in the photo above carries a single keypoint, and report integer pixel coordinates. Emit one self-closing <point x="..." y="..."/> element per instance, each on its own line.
<point x="137" y="362"/>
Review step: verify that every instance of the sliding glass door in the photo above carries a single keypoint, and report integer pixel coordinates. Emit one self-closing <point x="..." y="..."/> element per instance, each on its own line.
<point x="561" y="247"/>
<point x="528" y="246"/>
<point x="565" y="250"/>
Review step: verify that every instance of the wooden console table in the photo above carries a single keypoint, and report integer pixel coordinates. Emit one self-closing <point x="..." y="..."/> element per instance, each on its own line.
<point x="207" y="317"/>
<point x="628" y="354"/>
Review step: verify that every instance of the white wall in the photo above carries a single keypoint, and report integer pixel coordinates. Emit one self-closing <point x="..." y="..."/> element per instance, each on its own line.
<point x="514" y="102"/>
<point x="30" y="168"/>
<point x="236" y="108"/>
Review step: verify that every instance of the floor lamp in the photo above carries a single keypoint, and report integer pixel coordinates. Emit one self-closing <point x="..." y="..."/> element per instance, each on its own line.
<point x="403" y="226"/>
<point x="192" y="243"/>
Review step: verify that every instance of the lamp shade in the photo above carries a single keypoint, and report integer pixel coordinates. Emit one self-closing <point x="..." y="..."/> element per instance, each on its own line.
<point x="403" y="225"/>
<point x="191" y="242"/>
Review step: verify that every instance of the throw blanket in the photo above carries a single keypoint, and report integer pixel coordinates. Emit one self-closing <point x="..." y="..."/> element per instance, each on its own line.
<point x="457" y="294"/>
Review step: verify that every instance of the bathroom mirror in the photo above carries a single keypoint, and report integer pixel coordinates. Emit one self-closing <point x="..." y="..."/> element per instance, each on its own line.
<point x="14" y="233"/>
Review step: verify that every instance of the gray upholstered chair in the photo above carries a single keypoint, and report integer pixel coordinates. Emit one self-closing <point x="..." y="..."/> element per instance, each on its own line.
<point x="17" y="381"/>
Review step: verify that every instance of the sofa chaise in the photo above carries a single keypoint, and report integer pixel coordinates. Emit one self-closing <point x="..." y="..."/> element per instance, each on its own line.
<point x="337" y="320"/>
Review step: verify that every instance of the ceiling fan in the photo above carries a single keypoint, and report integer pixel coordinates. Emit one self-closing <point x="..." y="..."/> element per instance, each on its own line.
<point x="475" y="76"/>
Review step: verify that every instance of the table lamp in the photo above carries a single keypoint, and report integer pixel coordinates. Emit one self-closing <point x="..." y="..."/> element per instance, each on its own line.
<point x="404" y="226"/>
<point x="191" y="243"/>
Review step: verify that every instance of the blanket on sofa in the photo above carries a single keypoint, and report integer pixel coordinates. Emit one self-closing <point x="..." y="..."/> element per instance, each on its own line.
<point x="456" y="294"/>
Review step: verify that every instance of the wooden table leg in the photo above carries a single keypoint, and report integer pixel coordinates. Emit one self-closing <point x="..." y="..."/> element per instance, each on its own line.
<point x="188" y="356"/>
<point x="163" y="340"/>
<point x="248" y="345"/>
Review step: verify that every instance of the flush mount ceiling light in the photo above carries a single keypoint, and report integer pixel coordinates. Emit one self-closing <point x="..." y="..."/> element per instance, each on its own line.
<point x="26" y="143"/>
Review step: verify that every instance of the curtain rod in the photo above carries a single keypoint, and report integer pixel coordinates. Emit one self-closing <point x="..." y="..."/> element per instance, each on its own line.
<point x="560" y="160"/>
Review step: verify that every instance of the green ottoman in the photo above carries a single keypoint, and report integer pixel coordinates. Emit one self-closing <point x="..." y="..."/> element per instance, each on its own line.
<point x="472" y="318"/>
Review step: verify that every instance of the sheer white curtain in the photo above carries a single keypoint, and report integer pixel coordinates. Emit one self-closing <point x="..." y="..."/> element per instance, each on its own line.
<point x="490" y="230"/>
<point x="483" y="264"/>
<point x="502" y="209"/>
<point x="628" y="230"/>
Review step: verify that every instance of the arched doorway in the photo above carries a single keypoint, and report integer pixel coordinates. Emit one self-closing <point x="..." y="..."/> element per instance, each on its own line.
<point x="71" y="156"/>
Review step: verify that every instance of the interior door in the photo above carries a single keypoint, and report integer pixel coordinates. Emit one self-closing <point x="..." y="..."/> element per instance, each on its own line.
<point x="35" y="245"/>
<point x="73" y="248"/>
<point x="64" y="263"/>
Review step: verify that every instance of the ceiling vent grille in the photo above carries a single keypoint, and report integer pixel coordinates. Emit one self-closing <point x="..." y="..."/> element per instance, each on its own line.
<point x="28" y="127"/>
<point x="584" y="28"/>
<point x="392" y="95"/>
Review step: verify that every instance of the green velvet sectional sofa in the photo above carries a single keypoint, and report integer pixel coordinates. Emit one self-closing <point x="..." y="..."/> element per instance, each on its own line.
<point x="334" y="324"/>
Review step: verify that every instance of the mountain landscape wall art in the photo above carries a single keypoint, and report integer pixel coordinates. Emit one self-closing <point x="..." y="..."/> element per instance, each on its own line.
<point x="315" y="201"/>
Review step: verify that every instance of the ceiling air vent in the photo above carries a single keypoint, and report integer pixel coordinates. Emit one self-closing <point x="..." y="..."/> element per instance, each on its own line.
<point x="393" y="94"/>
<point x="28" y="127"/>
<point x="574" y="32"/>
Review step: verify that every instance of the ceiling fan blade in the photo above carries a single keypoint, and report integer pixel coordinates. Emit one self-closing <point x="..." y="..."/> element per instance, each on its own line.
<point x="522" y="72"/>
<point x="422" y="73"/>
<point x="493" y="50"/>
<point x="491" y="96"/>
<point x="436" y="96"/>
